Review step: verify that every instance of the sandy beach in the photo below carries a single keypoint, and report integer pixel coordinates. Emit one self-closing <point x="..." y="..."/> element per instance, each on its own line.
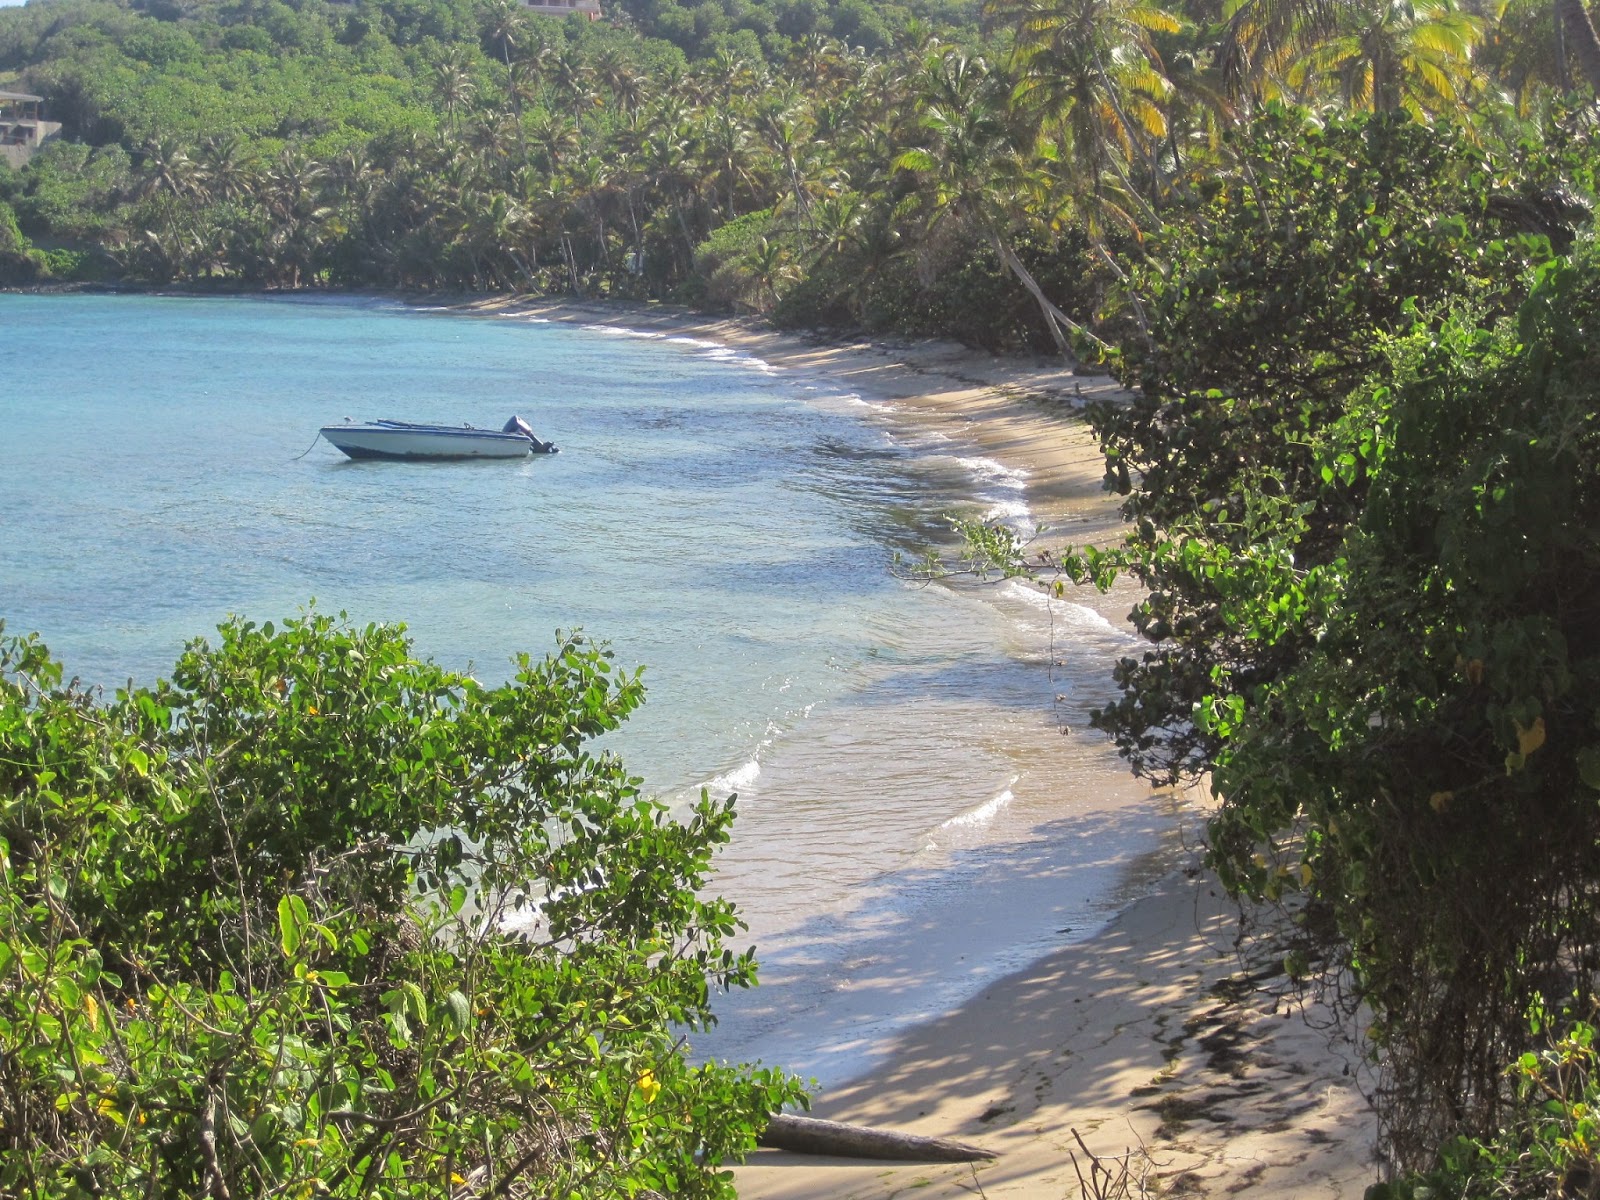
<point x="1169" y="1046"/>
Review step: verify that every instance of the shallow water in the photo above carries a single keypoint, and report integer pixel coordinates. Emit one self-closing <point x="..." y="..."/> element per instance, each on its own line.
<point x="907" y="797"/>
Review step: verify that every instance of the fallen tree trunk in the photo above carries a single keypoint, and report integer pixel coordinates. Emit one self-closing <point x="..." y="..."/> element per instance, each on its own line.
<point x="807" y="1135"/>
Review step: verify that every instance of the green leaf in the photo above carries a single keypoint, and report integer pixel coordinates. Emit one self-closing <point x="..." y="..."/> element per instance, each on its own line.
<point x="459" y="1012"/>
<point x="289" y="925"/>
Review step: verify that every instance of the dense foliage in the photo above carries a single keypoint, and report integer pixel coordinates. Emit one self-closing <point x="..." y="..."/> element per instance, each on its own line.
<point x="1361" y="472"/>
<point x="1342" y="254"/>
<point x="317" y="918"/>
<point x="915" y="173"/>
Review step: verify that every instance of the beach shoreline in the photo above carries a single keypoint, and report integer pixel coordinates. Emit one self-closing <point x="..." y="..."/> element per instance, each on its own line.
<point x="1177" y="1052"/>
<point x="1157" y="1036"/>
<point x="1026" y="413"/>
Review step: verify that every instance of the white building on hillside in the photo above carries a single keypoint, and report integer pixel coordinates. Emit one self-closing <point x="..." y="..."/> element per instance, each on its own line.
<point x="22" y="127"/>
<point x="564" y="8"/>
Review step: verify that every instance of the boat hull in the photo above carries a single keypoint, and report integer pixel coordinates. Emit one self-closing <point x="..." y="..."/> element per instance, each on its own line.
<point x="393" y="442"/>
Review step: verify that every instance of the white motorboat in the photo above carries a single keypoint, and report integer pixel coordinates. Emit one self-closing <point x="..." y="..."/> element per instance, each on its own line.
<point x="408" y="439"/>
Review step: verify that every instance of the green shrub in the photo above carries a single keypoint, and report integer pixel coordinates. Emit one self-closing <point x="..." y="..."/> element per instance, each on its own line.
<point x="1550" y="1145"/>
<point x="724" y="260"/>
<point x="17" y="257"/>
<point x="318" y="918"/>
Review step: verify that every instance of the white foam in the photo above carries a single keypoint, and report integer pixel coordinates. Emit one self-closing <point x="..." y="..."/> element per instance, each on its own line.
<point x="850" y="401"/>
<point x="736" y="780"/>
<point x="1013" y="512"/>
<point x="1067" y="613"/>
<point x="984" y="814"/>
<point x="621" y="331"/>
<point x="990" y="471"/>
<point x="712" y="351"/>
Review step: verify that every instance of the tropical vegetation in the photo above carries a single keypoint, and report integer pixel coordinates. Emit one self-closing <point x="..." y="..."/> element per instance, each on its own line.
<point x="1342" y="255"/>
<point x="317" y="918"/>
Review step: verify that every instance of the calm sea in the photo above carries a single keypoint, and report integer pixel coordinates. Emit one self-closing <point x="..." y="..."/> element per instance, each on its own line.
<point x="913" y="819"/>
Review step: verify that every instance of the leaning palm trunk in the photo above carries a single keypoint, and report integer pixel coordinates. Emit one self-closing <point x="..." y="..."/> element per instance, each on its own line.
<point x="1574" y="21"/>
<point x="1055" y="320"/>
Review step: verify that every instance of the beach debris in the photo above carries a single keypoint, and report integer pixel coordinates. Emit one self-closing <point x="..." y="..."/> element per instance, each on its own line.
<point x="809" y="1135"/>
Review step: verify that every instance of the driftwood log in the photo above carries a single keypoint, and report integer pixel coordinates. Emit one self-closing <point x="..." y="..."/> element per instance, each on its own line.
<point x="807" y="1135"/>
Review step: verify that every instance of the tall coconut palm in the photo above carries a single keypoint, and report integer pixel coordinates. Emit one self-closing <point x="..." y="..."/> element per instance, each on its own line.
<point x="168" y="182"/>
<point x="725" y="132"/>
<point x="781" y="125"/>
<point x="627" y="86"/>
<point x="573" y="79"/>
<point x="1260" y="38"/>
<point x="505" y="22"/>
<point x="769" y="265"/>
<point x="293" y="199"/>
<point x="453" y="85"/>
<point x="1383" y="55"/>
<point x="666" y="158"/>
<point x="1524" y="51"/>
<point x="1091" y="66"/>
<point x="167" y="169"/>
<point x="967" y="170"/>
<point x="224" y="166"/>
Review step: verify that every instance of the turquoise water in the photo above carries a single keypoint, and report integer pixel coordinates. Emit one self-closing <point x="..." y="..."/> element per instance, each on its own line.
<point x="724" y="523"/>
<point x="702" y="518"/>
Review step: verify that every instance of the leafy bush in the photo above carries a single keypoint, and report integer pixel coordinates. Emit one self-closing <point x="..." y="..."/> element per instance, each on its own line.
<point x="1364" y="473"/>
<point x="318" y="918"/>
<point x="723" y="260"/>
<point x="17" y="264"/>
<point x="1436" y="742"/>
<point x="1285" y="292"/>
<point x="1549" y="1147"/>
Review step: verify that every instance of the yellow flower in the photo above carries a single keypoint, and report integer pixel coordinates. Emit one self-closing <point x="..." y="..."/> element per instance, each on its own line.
<point x="649" y="1086"/>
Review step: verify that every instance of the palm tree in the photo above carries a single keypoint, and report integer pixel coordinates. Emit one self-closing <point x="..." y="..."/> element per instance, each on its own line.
<point x="293" y="200"/>
<point x="1198" y="109"/>
<point x="1524" y="51"/>
<point x="224" y="168"/>
<point x="505" y="22"/>
<point x="628" y="87"/>
<point x="1395" y="54"/>
<point x="1377" y="54"/>
<point x="452" y="83"/>
<point x="573" y="79"/>
<point x="780" y="125"/>
<point x="167" y="169"/>
<point x="555" y="135"/>
<point x="590" y="183"/>
<point x="168" y="182"/>
<point x="1090" y="66"/>
<point x="968" y="170"/>
<point x="768" y="264"/>
<point x="667" y="162"/>
<point x="726" y="137"/>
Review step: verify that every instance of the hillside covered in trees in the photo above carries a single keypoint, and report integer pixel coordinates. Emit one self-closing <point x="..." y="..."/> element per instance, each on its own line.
<point x="933" y="170"/>
<point x="1341" y="252"/>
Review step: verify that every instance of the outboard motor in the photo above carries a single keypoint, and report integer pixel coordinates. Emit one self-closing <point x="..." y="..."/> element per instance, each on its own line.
<point x="518" y="425"/>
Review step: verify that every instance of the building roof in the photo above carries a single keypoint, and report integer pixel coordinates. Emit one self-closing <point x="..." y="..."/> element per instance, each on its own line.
<point x="21" y="96"/>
